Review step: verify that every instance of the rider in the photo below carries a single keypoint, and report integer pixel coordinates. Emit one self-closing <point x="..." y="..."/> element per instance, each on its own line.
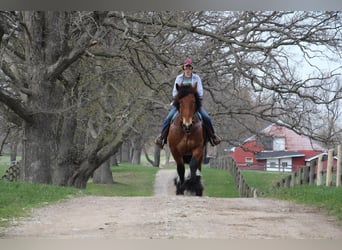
<point x="188" y="77"/>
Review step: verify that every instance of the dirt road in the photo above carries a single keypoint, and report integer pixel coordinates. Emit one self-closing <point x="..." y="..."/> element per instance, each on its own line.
<point x="167" y="216"/>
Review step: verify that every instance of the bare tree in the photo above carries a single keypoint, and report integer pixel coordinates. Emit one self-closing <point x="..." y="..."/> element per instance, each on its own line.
<point x="252" y="63"/>
<point x="44" y="60"/>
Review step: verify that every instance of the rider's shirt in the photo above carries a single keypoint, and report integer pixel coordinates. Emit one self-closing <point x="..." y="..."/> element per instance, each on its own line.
<point x="182" y="79"/>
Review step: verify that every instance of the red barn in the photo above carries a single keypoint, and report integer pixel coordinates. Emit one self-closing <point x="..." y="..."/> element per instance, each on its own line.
<point x="275" y="148"/>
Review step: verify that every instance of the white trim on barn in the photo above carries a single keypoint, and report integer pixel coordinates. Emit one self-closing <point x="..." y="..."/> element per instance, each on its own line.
<point x="279" y="164"/>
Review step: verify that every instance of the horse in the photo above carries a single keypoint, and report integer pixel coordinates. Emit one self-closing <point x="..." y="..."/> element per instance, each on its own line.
<point x="187" y="139"/>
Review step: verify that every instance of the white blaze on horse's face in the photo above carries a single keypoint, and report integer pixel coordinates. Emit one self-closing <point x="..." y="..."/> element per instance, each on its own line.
<point x="187" y="110"/>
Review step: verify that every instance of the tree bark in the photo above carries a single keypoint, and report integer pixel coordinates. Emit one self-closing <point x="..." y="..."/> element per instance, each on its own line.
<point x="103" y="175"/>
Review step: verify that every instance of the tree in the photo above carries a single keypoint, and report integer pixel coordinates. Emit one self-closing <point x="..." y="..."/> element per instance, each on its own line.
<point x="54" y="63"/>
<point x="249" y="61"/>
<point x="41" y="61"/>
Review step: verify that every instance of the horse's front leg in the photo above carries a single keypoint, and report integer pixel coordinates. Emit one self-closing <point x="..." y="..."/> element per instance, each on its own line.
<point x="195" y="175"/>
<point x="180" y="183"/>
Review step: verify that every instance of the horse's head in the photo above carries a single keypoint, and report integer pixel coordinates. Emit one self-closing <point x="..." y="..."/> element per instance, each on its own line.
<point x="188" y="103"/>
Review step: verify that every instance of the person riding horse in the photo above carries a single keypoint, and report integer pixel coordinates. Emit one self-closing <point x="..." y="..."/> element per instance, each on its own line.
<point x="188" y="77"/>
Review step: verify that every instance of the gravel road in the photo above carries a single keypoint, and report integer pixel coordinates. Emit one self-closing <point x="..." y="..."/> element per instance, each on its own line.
<point x="167" y="216"/>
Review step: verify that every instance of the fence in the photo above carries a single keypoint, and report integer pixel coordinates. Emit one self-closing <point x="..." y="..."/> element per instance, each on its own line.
<point x="314" y="173"/>
<point x="226" y="163"/>
<point x="12" y="173"/>
<point x="310" y="175"/>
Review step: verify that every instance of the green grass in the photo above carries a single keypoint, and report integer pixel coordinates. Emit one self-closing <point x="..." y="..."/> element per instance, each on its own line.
<point x="327" y="198"/>
<point x="4" y="164"/>
<point x="218" y="183"/>
<point x="129" y="180"/>
<point x="262" y="180"/>
<point x="17" y="199"/>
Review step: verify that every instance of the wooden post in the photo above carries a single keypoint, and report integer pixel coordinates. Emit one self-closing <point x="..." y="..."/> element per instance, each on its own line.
<point x="339" y="166"/>
<point x="306" y="175"/>
<point x="319" y="170"/>
<point x="312" y="172"/>
<point x="301" y="176"/>
<point x="288" y="181"/>
<point x="329" y="167"/>
<point x="293" y="179"/>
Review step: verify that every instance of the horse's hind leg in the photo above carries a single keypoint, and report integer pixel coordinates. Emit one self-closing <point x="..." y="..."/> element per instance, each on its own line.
<point x="181" y="173"/>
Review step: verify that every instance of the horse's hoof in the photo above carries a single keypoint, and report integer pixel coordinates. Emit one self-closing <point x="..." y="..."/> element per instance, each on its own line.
<point x="199" y="189"/>
<point x="179" y="188"/>
<point x="179" y="191"/>
<point x="199" y="192"/>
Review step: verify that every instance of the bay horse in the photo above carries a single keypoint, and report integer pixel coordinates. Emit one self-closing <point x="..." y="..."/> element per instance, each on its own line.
<point x="186" y="139"/>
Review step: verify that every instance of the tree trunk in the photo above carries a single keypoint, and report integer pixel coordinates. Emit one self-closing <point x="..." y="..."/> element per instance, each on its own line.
<point x="137" y="149"/>
<point x="103" y="175"/>
<point x="167" y="155"/>
<point x="45" y="44"/>
<point x="38" y="151"/>
<point x="14" y="147"/>
<point x="156" y="156"/>
<point x="125" y="152"/>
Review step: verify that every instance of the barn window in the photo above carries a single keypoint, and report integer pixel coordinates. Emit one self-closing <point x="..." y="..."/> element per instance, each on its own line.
<point x="266" y="141"/>
<point x="249" y="160"/>
<point x="279" y="144"/>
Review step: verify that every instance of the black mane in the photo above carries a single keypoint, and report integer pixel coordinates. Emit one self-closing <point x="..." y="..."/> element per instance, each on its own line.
<point x="184" y="90"/>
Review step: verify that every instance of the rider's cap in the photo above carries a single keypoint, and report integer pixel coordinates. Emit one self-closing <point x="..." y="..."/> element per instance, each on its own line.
<point x="187" y="62"/>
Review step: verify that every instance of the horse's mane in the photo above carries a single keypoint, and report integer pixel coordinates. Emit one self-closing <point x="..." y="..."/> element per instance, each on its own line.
<point x="184" y="90"/>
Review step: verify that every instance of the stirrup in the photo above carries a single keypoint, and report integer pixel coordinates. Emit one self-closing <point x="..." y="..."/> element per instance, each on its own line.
<point x="159" y="142"/>
<point x="215" y="140"/>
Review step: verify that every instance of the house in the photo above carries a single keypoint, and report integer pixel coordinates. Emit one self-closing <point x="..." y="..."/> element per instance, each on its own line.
<point x="275" y="148"/>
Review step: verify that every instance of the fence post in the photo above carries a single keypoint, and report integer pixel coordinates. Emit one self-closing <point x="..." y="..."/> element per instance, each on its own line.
<point x="293" y="178"/>
<point x="312" y="172"/>
<point x="339" y="166"/>
<point x="306" y="175"/>
<point x="319" y="170"/>
<point x="329" y="167"/>
<point x="288" y="181"/>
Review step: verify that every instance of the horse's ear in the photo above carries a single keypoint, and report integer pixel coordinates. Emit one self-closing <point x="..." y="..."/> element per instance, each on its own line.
<point x="195" y="86"/>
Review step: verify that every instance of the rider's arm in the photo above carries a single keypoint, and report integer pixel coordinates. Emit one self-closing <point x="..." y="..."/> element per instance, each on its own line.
<point x="177" y="81"/>
<point x="199" y="86"/>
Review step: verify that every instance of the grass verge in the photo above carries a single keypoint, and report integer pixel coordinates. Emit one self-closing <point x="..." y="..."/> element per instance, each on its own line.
<point x="323" y="197"/>
<point x="129" y="180"/>
<point x="17" y="198"/>
<point x="262" y="180"/>
<point x="219" y="183"/>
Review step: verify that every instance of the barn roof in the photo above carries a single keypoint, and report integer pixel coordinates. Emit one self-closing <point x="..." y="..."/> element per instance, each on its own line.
<point x="277" y="154"/>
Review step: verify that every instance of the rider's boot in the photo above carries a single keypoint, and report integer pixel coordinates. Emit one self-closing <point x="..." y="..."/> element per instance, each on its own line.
<point x="161" y="139"/>
<point x="213" y="138"/>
